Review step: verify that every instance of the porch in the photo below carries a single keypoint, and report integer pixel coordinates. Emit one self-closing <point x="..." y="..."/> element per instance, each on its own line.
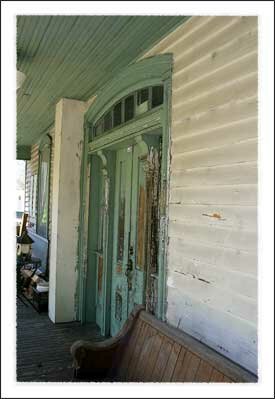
<point x="141" y="176"/>
<point x="43" y="348"/>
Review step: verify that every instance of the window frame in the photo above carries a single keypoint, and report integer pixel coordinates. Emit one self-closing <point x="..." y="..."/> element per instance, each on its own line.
<point x="45" y="145"/>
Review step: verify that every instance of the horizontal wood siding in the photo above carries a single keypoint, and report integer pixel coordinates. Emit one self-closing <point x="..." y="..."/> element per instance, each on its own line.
<point x="212" y="260"/>
<point x="27" y="187"/>
<point x="31" y="169"/>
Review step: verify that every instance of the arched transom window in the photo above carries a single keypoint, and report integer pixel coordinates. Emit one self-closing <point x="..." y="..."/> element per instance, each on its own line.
<point x="129" y="107"/>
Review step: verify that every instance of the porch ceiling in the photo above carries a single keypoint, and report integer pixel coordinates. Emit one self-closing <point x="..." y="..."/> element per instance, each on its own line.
<point x="72" y="57"/>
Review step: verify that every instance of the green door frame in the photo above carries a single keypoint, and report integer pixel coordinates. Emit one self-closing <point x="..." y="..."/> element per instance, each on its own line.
<point x="147" y="72"/>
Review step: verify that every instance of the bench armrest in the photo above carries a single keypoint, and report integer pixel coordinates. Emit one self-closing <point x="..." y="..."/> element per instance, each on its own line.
<point x="98" y="358"/>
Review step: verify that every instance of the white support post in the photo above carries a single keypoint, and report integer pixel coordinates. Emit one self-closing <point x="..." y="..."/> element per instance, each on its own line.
<point x="69" y="134"/>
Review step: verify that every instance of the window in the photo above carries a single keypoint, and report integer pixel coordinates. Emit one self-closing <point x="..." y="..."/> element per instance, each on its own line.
<point x="33" y="190"/>
<point x="135" y="104"/>
<point x="43" y="190"/>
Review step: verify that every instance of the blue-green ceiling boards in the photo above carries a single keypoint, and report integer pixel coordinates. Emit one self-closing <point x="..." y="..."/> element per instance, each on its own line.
<point x="73" y="57"/>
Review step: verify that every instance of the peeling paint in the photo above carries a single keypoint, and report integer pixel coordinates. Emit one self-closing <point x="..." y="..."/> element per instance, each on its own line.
<point x="205" y="281"/>
<point x="222" y="348"/>
<point x="214" y="55"/>
<point x="214" y="215"/>
<point x="170" y="282"/>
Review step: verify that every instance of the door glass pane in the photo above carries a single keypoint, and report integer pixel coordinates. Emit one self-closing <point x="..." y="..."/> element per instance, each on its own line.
<point x="157" y="96"/>
<point x="141" y="222"/>
<point x="129" y="108"/>
<point x="101" y="215"/>
<point x="121" y="212"/>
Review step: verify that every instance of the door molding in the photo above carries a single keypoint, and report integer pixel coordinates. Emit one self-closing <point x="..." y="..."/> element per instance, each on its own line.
<point x="147" y="72"/>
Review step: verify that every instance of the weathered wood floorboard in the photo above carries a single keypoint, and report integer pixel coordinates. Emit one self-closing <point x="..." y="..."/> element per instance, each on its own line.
<point x="43" y="348"/>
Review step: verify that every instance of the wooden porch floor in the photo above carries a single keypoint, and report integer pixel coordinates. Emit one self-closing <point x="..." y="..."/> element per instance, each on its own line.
<point x="43" y="348"/>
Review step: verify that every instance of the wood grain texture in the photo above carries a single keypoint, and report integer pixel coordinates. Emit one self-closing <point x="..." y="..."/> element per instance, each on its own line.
<point x="141" y="363"/>
<point x="171" y="363"/>
<point x="204" y="372"/>
<point x="162" y="359"/>
<point x="136" y="353"/>
<point x="127" y="355"/>
<point x="190" y="367"/>
<point x="35" y="331"/>
<point x="216" y="376"/>
<point x="155" y="348"/>
<point x="177" y="374"/>
<point x="148" y="350"/>
<point x="145" y="364"/>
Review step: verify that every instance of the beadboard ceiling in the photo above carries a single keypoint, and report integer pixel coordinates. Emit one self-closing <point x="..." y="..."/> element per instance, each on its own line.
<point x="72" y="57"/>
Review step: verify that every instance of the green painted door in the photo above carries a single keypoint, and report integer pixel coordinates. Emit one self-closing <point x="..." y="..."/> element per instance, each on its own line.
<point x="128" y="266"/>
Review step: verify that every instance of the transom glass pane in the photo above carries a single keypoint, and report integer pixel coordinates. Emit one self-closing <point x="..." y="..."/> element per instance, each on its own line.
<point x="142" y="101"/>
<point x="108" y="121"/>
<point x="117" y="114"/>
<point x="157" y="96"/>
<point x="99" y="127"/>
<point x="129" y="108"/>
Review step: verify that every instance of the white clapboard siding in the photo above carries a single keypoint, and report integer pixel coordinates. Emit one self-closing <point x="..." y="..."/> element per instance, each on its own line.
<point x="226" y="258"/>
<point x="225" y="279"/>
<point x="241" y="173"/>
<point x="222" y="115"/>
<point x="243" y="151"/>
<point x="240" y="47"/>
<point x="32" y="169"/>
<point x="223" y="236"/>
<point x="219" y="297"/>
<point x="27" y="187"/>
<point x="222" y="135"/>
<point x="212" y="251"/>
<point x="230" y="91"/>
<point x="213" y="82"/>
<point x="242" y="194"/>
<point x="240" y="217"/>
<point x="211" y="325"/>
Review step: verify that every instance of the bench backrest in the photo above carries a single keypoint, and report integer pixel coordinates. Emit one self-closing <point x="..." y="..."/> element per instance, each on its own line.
<point x="156" y="352"/>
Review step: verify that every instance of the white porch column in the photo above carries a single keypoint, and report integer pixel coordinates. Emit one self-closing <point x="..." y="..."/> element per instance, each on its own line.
<point x="69" y="134"/>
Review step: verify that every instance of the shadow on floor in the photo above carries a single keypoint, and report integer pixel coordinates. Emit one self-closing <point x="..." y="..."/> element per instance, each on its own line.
<point x="43" y="348"/>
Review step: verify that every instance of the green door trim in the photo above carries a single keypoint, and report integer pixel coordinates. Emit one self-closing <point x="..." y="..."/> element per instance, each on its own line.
<point x="151" y="71"/>
<point x="141" y="125"/>
<point x="147" y="72"/>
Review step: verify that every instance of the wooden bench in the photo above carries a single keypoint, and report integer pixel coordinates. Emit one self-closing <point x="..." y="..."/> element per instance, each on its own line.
<point x="148" y="350"/>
